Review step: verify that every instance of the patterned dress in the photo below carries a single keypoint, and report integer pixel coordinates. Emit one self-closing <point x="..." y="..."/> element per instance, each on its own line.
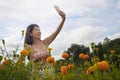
<point x="38" y="65"/>
<point x="40" y="56"/>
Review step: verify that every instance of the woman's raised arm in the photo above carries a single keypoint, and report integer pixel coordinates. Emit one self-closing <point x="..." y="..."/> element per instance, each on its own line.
<point x="50" y="38"/>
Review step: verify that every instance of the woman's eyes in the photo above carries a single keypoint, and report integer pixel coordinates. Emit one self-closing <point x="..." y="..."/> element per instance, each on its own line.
<point x="37" y="30"/>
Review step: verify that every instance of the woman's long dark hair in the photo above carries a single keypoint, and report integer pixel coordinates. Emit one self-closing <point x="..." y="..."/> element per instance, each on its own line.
<point x="28" y="38"/>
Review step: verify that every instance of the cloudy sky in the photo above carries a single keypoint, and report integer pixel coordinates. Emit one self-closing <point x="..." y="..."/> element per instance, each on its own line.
<point x="86" y="21"/>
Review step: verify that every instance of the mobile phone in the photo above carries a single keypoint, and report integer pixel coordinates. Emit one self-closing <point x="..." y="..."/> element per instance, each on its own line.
<point x="57" y="8"/>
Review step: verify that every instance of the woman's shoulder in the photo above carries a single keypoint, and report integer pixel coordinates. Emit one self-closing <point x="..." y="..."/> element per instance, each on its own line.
<point x="28" y="47"/>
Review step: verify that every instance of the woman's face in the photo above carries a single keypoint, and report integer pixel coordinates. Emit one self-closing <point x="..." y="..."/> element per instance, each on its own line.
<point x="36" y="34"/>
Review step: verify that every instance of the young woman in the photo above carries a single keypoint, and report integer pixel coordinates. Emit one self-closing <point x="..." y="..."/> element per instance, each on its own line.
<point x="34" y="42"/>
<point x="38" y="46"/>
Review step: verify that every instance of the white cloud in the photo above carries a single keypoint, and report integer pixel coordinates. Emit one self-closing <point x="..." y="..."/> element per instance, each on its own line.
<point x="116" y="35"/>
<point x="12" y="42"/>
<point x="82" y="35"/>
<point x="12" y="36"/>
<point x="118" y="21"/>
<point x="40" y="10"/>
<point x="25" y="9"/>
<point x="118" y="4"/>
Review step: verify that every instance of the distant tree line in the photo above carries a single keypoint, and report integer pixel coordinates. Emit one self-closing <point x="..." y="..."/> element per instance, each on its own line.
<point x="104" y="47"/>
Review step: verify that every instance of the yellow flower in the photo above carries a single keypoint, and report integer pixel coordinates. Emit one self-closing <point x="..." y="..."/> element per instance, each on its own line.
<point x="71" y="66"/>
<point x="22" y="33"/>
<point x="64" y="70"/>
<point x="24" y="52"/>
<point x="50" y="59"/>
<point x="92" y="45"/>
<point x="113" y="51"/>
<point x="65" y="55"/>
<point x="49" y="51"/>
<point x="89" y="70"/>
<point x="97" y="49"/>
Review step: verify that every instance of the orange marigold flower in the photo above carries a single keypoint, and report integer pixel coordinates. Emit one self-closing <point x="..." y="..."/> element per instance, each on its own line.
<point x="24" y="52"/>
<point x="83" y="56"/>
<point x="19" y="62"/>
<point x="102" y="66"/>
<point x="89" y="70"/>
<point x="86" y="56"/>
<point x="54" y="62"/>
<point x="50" y="59"/>
<point x="64" y="70"/>
<point x="71" y="66"/>
<point x="113" y="51"/>
<point x="5" y="62"/>
<point x="65" y="55"/>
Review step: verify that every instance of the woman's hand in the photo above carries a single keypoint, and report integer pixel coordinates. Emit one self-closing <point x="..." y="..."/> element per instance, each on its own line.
<point x="61" y="13"/>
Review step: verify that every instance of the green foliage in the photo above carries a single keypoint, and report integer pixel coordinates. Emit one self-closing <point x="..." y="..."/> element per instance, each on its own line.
<point x="15" y="70"/>
<point x="112" y="45"/>
<point x="75" y="50"/>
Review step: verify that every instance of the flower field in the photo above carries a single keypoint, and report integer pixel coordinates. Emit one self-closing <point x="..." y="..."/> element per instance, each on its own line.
<point x="89" y="67"/>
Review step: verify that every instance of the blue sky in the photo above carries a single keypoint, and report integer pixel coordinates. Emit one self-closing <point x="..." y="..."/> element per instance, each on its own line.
<point x="86" y="21"/>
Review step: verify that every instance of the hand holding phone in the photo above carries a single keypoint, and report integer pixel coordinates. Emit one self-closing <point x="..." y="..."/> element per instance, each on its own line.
<point x="61" y="13"/>
<point x="57" y="9"/>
